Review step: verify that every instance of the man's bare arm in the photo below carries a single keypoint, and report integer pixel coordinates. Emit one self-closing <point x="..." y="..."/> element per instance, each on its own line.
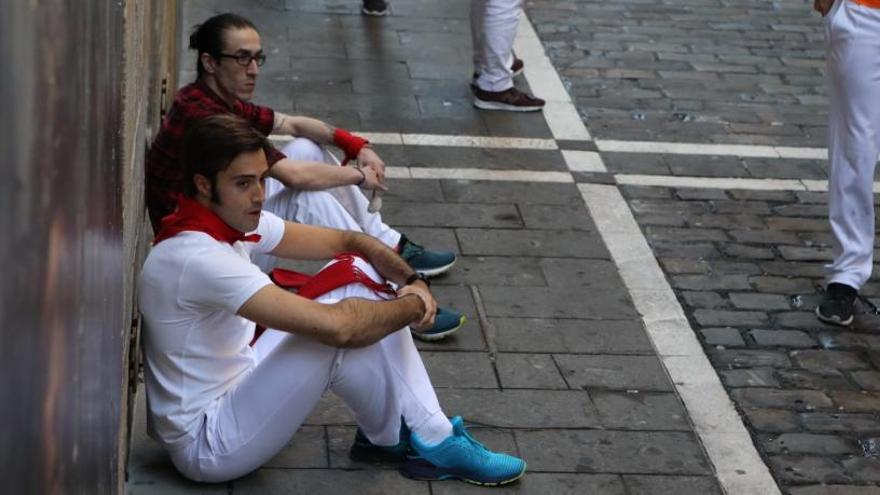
<point x="351" y="322"/>
<point x="316" y="176"/>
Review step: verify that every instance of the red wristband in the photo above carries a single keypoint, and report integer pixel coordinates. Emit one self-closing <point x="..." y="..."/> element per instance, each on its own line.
<point x="350" y="144"/>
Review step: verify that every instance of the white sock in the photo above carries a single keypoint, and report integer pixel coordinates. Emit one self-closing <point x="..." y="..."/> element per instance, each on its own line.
<point x="434" y="430"/>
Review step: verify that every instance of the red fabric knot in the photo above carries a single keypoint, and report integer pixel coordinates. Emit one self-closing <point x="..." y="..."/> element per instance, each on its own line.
<point x="191" y="215"/>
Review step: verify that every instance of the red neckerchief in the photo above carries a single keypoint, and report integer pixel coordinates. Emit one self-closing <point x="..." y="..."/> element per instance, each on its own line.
<point x="192" y="215"/>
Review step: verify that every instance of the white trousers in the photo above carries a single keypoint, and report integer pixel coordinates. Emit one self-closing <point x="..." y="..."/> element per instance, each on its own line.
<point x="254" y="420"/>
<point x="343" y="207"/>
<point x="853" y="78"/>
<point x="493" y="29"/>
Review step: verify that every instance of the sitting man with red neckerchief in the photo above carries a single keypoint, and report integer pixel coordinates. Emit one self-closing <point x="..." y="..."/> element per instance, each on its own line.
<point x="221" y="407"/>
<point x="302" y="187"/>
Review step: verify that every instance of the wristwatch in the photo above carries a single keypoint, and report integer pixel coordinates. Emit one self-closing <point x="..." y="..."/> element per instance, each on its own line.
<point x="417" y="276"/>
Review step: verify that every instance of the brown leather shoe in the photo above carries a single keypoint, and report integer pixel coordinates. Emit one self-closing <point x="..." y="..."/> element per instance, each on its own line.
<point x="511" y="100"/>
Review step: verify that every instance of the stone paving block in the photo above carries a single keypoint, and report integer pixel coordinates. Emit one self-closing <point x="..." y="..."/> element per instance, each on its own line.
<point x="640" y="411"/>
<point x="798" y="253"/>
<point x="834" y="490"/>
<point x="684" y="235"/>
<point x="826" y="379"/>
<point x="774" y="420"/>
<point x="569" y="335"/>
<point x="839" y="422"/>
<point x="743" y="358"/>
<point x="729" y="221"/>
<point x="724" y="336"/>
<point x="307" y="449"/>
<point x="165" y="480"/>
<point x="715" y="317"/>
<point x="500" y="242"/>
<point x="460" y="369"/>
<point x="327" y="482"/>
<point x="330" y="410"/>
<point x="551" y="302"/>
<point x="521" y="408"/>
<point x="567" y="272"/>
<point x="471" y="191"/>
<point x="868" y="380"/>
<point x="711" y="282"/>
<point x="747" y="252"/>
<point x="494" y="270"/>
<point x="708" y="300"/>
<point x="766" y="302"/>
<point x="862" y="469"/>
<point x="797" y="224"/>
<point x="853" y="401"/>
<point x="825" y="360"/>
<point x="782" y="338"/>
<point x="684" y="266"/>
<point x="553" y="217"/>
<point x="451" y="215"/>
<point x="536" y="371"/>
<point x="612" y="451"/>
<point x="764" y="237"/>
<point x="800" y="469"/>
<point x="537" y="482"/>
<point x="782" y="285"/>
<point x="433" y="238"/>
<point x="531" y="125"/>
<point x="799" y="400"/>
<point x="643" y="373"/>
<point x="752" y="377"/>
<point x="809" y="443"/>
<point x="637" y="163"/>
<point x="797" y="319"/>
<point x="411" y="189"/>
<point x="691" y="194"/>
<point x="680" y="485"/>
<point x="792" y="269"/>
<point x="695" y="251"/>
<point x="482" y="158"/>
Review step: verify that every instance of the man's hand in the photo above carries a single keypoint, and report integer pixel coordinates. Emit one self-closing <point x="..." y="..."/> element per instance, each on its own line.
<point x="372" y="180"/>
<point x="823" y="6"/>
<point x="420" y="289"/>
<point x="367" y="158"/>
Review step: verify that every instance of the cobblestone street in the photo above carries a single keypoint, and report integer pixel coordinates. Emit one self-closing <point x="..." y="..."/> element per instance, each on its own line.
<point x="592" y="348"/>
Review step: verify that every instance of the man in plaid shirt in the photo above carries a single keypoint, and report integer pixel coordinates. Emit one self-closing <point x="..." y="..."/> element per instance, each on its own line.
<point x="302" y="187"/>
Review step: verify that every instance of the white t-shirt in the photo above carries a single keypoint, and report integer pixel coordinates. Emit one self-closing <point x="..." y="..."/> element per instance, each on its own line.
<point x="196" y="346"/>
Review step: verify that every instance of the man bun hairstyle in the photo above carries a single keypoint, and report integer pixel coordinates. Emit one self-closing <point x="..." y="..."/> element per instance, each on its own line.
<point x="207" y="37"/>
<point x="210" y="145"/>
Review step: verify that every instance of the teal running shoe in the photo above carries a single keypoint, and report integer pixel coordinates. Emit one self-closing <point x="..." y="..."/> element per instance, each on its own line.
<point x="366" y="451"/>
<point x="428" y="263"/>
<point x="446" y="322"/>
<point x="461" y="457"/>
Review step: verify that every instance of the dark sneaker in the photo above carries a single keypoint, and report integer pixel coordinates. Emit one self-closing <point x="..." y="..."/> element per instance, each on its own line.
<point x="836" y="307"/>
<point x="428" y="263"/>
<point x="461" y="457"/>
<point x="366" y="451"/>
<point x="511" y="100"/>
<point x="446" y="322"/>
<point x="516" y="67"/>
<point x="375" y="8"/>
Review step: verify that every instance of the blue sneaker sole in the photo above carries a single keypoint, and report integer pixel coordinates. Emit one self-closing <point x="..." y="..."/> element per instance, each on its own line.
<point x="421" y="470"/>
<point x="432" y="337"/>
<point x="433" y="272"/>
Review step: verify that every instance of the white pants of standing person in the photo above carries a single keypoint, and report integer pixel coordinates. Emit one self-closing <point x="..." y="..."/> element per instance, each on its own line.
<point x="343" y="207"/>
<point x="853" y="33"/>
<point x="254" y="420"/>
<point x="493" y="29"/>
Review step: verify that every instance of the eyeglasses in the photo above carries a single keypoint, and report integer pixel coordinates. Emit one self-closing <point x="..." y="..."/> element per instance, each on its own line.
<point x="244" y="59"/>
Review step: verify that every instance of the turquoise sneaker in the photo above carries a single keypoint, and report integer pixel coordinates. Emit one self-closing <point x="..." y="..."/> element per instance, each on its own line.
<point x="428" y="263"/>
<point x="446" y="322"/>
<point x="461" y="457"/>
<point x="366" y="451"/>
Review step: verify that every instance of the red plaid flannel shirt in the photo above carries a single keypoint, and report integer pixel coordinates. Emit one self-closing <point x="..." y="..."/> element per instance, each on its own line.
<point x="165" y="179"/>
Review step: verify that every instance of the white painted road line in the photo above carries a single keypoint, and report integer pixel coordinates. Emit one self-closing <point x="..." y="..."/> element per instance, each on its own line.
<point x="559" y="112"/>
<point x="738" y="466"/>
<point x="713" y="182"/>
<point x="583" y="161"/>
<point x="483" y="174"/>
<point x="741" y="150"/>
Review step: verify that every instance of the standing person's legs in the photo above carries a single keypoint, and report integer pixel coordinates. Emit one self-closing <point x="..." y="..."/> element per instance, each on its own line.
<point x="493" y="29"/>
<point x="853" y="79"/>
<point x="254" y="421"/>
<point x="854" y="138"/>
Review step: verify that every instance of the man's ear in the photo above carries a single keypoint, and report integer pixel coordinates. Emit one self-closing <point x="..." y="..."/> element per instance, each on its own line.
<point x="203" y="185"/>
<point x="208" y="63"/>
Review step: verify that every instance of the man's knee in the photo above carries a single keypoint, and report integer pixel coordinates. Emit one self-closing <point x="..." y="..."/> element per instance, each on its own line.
<point x="304" y="149"/>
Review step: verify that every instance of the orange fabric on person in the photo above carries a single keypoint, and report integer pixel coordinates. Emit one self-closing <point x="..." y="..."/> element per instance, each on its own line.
<point x="874" y="4"/>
